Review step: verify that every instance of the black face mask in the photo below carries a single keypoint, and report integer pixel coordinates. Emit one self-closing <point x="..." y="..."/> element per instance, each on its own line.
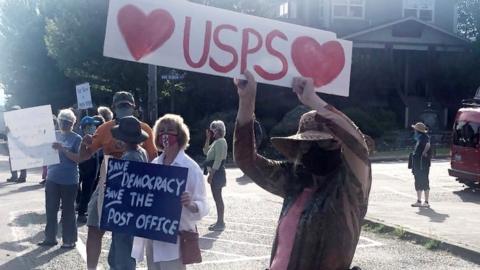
<point x="319" y="161"/>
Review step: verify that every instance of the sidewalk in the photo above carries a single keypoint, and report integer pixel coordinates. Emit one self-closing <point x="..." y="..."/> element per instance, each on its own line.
<point x="453" y="218"/>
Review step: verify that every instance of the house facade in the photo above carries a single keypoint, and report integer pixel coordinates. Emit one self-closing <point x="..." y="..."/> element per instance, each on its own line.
<point x="411" y="36"/>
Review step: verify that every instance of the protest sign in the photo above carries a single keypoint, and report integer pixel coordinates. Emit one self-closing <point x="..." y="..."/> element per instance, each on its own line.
<point x="194" y="37"/>
<point x="30" y="139"/>
<point x="84" y="97"/>
<point x="143" y="199"/>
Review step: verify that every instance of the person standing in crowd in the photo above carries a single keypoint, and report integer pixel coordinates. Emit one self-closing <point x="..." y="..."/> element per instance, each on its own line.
<point x="106" y="113"/>
<point x="172" y="136"/>
<point x="88" y="170"/>
<point x="44" y="168"/>
<point x="129" y="131"/>
<point x="23" y="173"/>
<point x="325" y="182"/>
<point x="215" y="162"/>
<point x="123" y="106"/>
<point x="62" y="183"/>
<point x="422" y="156"/>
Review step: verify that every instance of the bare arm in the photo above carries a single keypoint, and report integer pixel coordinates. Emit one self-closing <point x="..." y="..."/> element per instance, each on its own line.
<point x="75" y="157"/>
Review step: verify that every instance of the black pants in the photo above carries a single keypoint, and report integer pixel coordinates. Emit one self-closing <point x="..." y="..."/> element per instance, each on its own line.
<point x="54" y="193"/>
<point x="87" y="185"/>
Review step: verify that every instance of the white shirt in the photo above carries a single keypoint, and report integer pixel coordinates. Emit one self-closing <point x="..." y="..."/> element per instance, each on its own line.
<point x="163" y="251"/>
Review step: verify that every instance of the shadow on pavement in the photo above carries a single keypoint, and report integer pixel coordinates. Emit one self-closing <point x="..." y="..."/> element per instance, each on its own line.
<point x="434" y="216"/>
<point x="469" y="195"/>
<point x="27" y="219"/>
<point x="208" y="243"/>
<point x="21" y="245"/>
<point x="33" y="259"/>
<point x="22" y="188"/>
<point x="244" y="180"/>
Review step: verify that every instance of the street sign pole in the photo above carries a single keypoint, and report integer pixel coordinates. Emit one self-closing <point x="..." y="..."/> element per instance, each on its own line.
<point x="152" y="100"/>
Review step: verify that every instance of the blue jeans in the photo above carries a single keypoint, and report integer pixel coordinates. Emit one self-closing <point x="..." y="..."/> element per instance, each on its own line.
<point x="119" y="256"/>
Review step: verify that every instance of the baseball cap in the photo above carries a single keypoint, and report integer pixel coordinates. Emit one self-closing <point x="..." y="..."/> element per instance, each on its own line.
<point x="88" y="120"/>
<point x="123" y="97"/>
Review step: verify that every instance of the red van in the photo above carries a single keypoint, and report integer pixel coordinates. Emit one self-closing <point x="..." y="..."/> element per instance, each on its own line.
<point x="465" y="158"/>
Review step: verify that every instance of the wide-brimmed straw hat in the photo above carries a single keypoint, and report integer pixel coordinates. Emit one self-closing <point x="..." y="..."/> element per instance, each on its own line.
<point x="129" y="130"/>
<point x="309" y="130"/>
<point x="420" y="127"/>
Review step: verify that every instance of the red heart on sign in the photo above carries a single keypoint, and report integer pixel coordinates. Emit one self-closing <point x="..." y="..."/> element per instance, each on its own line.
<point x="144" y="34"/>
<point x="322" y="63"/>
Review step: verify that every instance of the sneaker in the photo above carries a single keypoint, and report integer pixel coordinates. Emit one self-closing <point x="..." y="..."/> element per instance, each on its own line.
<point x="21" y="180"/>
<point x="12" y="179"/>
<point x="47" y="244"/>
<point x="217" y="227"/>
<point x="42" y="182"/>
<point x="417" y="204"/>
<point x="426" y="205"/>
<point x="68" y="246"/>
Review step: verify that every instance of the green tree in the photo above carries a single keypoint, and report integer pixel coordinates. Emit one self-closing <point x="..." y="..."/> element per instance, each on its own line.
<point x="75" y="32"/>
<point x="27" y="74"/>
<point x="469" y="18"/>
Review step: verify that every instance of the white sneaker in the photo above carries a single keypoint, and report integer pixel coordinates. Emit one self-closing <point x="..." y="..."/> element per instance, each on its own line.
<point x="426" y="205"/>
<point x="417" y="204"/>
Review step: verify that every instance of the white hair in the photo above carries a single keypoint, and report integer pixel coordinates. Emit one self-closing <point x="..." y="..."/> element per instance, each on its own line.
<point x="105" y="112"/>
<point x="218" y="126"/>
<point x="67" y="115"/>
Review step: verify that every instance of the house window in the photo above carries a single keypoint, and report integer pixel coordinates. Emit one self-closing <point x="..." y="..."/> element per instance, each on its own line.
<point x="288" y="9"/>
<point x="349" y="9"/>
<point x="283" y="10"/>
<point x="421" y="9"/>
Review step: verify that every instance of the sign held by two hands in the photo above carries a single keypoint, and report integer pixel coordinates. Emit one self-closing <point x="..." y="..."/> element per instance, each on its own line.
<point x="193" y="37"/>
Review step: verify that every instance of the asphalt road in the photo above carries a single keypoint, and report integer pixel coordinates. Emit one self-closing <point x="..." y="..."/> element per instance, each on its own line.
<point x="251" y="216"/>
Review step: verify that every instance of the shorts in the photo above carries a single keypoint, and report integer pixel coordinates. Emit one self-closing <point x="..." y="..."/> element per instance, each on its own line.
<point x="93" y="220"/>
<point x="421" y="180"/>
<point x="219" y="179"/>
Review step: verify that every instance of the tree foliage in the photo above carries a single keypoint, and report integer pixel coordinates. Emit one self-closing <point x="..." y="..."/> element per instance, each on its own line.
<point x="469" y="18"/>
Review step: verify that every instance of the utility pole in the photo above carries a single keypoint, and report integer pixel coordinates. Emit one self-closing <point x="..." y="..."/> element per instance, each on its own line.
<point x="152" y="100"/>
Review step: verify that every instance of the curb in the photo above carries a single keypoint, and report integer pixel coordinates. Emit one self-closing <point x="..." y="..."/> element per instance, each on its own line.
<point x="456" y="249"/>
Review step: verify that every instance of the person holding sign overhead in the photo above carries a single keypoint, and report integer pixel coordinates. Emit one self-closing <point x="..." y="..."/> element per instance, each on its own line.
<point x="325" y="182"/>
<point x="62" y="183"/>
<point x="172" y="137"/>
<point x="123" y="106"/>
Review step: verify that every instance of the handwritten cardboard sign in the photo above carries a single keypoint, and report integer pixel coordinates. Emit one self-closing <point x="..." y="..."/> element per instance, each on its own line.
<point x="189" y="36"/>
<point x="30" y="139"/>
<point x="84" y="97"/>
<point x="143" y="199"/>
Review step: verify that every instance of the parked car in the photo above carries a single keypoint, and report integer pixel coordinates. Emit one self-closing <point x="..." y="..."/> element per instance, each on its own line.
<point x="465" y="157"/>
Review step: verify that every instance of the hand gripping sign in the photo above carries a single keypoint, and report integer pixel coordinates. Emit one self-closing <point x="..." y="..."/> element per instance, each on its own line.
<point x="193" y="37"/>
<point x="143" y="199"/>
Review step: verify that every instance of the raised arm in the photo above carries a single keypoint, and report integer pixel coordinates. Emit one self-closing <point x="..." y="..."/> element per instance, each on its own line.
<point x="266" y="173"/>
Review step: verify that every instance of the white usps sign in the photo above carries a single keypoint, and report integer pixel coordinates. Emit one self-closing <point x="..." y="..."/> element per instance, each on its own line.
<point x="30" y="139"/>
<point x="84" y="97"/>
<point x="193" y="37"/>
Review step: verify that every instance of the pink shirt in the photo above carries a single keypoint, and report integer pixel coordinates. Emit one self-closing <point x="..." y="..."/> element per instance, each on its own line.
<point x="287" y="231"/>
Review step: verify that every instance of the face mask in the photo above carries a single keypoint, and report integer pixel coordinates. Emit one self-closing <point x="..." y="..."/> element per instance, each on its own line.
<point x="167" y="140"/>
<point x="417" y="135"/>
<point x="90" y="130"/>
<point x="319" y="161"/>
<point x="64" y="125"/>
<point x="123" y="112"/>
